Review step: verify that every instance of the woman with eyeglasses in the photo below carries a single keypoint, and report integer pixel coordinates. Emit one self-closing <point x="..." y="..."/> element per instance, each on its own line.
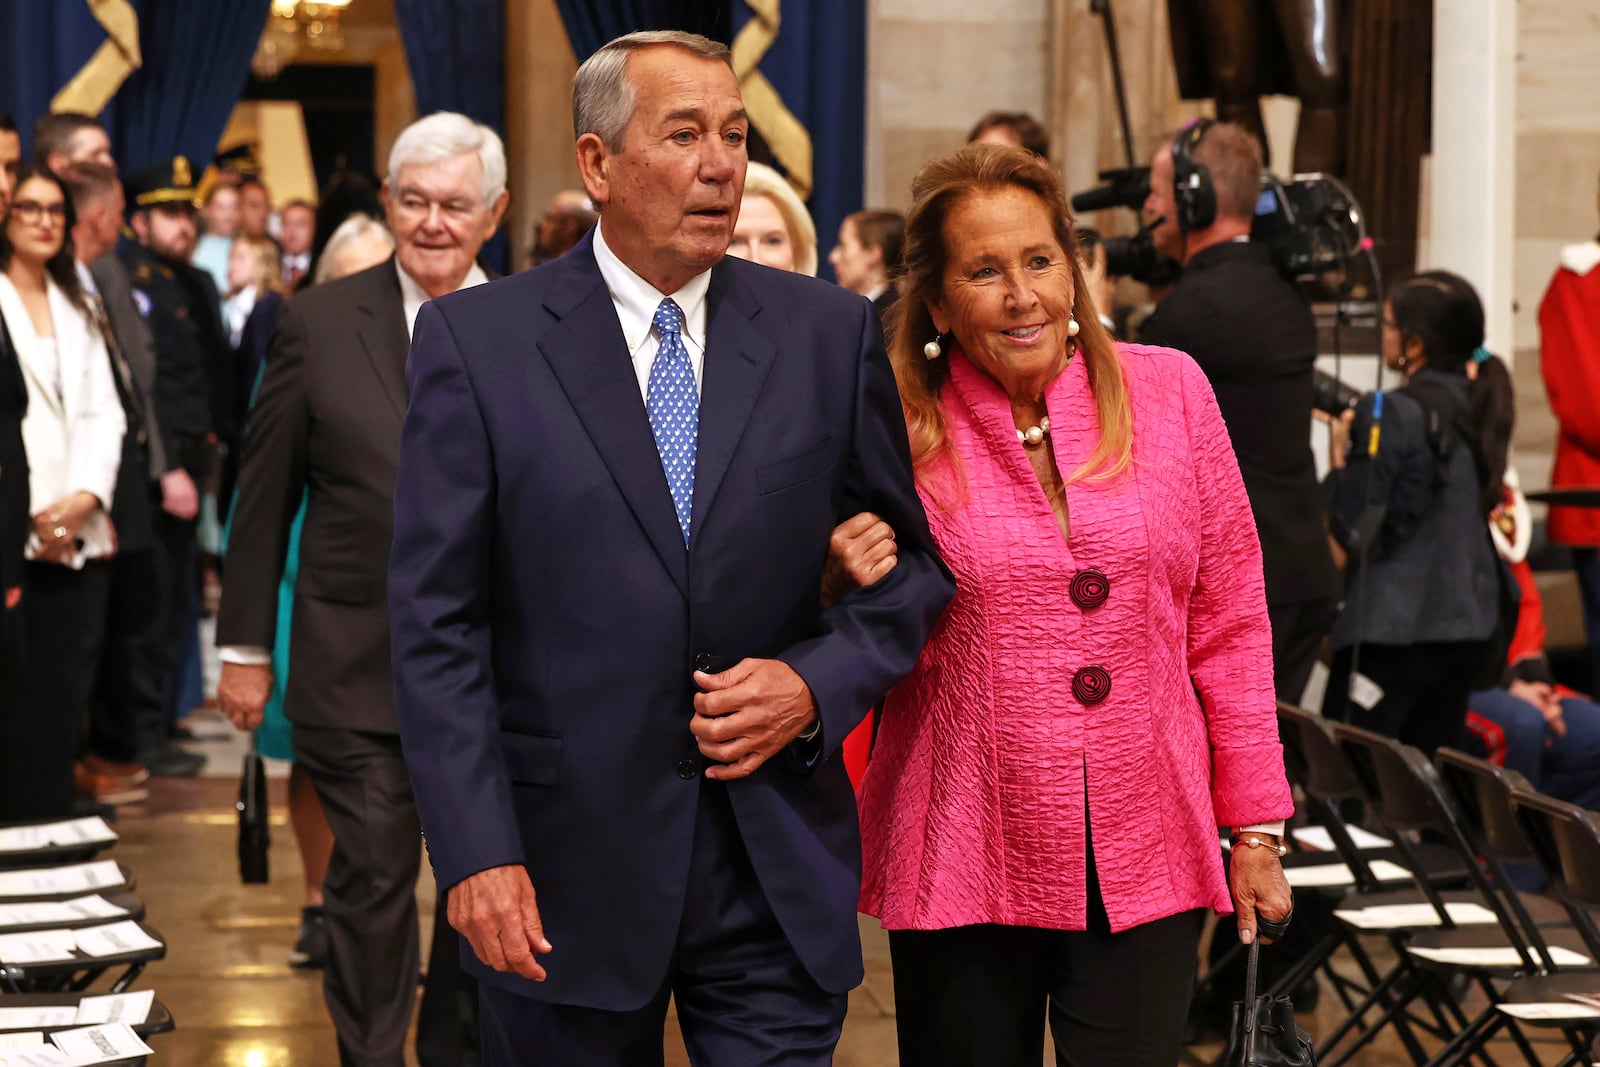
<point x="73" y="433"/>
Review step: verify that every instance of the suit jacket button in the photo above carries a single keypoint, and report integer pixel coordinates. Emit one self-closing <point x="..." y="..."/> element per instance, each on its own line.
<point x="1090" y="588"/>
<point x="1091" y="684"/>
<point x="702" y="661"/>
<point x="686" y="769"/>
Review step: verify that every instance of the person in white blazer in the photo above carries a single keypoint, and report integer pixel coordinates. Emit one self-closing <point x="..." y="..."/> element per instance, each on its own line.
<point x="73" y="432"/>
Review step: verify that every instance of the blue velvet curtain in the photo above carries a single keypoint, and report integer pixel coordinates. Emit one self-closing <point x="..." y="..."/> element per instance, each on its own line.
<point x="455" y="50"/>
<point x="818" y="65"/>
<point x="42" y="46"/>
<point x="591" y="23"/>
<point x="196" y="62"/>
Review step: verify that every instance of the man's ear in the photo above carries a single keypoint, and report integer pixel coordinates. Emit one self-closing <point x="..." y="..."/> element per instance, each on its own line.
<point x="594" y="167"/>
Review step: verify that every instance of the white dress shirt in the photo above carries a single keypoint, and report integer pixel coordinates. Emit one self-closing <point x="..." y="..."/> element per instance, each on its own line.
<point x="636" y="301"/>
<point x="412" y="297"/>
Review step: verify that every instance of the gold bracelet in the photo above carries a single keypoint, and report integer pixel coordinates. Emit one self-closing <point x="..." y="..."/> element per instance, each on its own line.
<point x="1260" y="840"/>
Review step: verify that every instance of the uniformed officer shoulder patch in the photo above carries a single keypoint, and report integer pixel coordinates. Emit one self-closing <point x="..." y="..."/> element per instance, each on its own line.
<point x="141" y="300"/>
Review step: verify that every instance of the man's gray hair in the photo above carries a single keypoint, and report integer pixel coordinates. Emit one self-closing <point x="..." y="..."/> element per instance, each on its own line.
<point x="602" y="95"/>
<point x="445" y="134"/>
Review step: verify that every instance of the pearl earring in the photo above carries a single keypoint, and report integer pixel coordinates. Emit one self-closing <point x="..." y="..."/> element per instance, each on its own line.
<point x="1073" y="327"/>
<point x="932" y="350"/>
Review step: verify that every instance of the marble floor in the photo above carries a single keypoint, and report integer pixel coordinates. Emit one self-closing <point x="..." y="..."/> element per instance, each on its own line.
<point x="237" y="1003"/>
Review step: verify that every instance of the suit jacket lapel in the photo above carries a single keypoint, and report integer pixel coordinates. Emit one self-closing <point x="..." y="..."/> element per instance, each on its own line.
<point x="383" y="333"/>
<point x="738" y="359"/>
<point x="589" y="357"/>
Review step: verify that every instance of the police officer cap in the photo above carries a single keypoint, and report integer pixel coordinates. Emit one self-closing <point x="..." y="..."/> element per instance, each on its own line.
<point x="171" y="182"/>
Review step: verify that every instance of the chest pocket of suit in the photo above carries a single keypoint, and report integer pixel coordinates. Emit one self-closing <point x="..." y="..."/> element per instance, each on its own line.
<point x="788" y="473"/>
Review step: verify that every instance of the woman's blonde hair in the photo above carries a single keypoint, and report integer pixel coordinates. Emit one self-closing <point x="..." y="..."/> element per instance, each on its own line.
<point x="762" y="180"/>
<point x="938" y="188"/>
<point x="267" y="274"/>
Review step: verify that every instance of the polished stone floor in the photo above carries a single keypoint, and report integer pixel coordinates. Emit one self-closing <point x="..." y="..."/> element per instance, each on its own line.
<point x="236" y="1002"/>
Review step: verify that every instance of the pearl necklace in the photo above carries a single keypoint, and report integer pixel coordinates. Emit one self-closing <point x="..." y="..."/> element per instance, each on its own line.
<point x="1034" y="436"/>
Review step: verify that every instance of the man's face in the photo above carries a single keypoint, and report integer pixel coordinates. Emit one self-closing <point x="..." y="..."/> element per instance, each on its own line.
<point x="10" y="157"/>
<point x="221" y="212"/>
<point x="1161" y="203"/>
<point x="439" y="219"/>
<point x="91" y="145"/>
<point x="99" y="224"/>
<point x="670" y="198"/>
<point x="168" y="230"/>
<point x="299" y="224"/>
<point x="255" y="209"/>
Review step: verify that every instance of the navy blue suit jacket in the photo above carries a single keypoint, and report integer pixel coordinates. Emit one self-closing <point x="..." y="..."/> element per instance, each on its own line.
<point x="546" y="616"/>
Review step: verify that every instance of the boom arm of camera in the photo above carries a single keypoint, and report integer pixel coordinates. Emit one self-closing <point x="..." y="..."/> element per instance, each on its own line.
<point x="1109" y="24"/>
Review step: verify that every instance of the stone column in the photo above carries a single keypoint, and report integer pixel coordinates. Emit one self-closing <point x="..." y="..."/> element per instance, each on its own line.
<point x="1472" y="175"/>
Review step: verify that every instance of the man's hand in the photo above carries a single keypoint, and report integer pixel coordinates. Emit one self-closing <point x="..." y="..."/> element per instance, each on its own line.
<point x="1543" y="696"/>
<point x="1338" y="435"/>
<point x="748" y="713"/>
<point x="242" y="691"/>
<point x="860" y="552"/>
<point x="496" y="911"/>
<point x="1258" y="885"/>
<point x="178" y="496"/>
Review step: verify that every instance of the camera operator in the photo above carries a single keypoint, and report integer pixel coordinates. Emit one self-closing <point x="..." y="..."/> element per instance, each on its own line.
<point x="1255" y="338"/>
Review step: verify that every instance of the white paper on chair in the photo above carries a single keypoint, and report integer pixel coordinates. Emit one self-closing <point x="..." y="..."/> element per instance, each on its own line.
<point x="37" y="1018"/>
<point x="1394" y="916"/>
<point x="100" y="1044"/>
<point x="1319" y="838"/>
<point x="23" y="838"/>
<point x="129" y="1008"/>
<point x="93" y="906"/>
<point x="41" y="946"/>
<point x="1496" y="956"/>
<point x="37" y="913"/>
<point x="21" y="1039"/>
<point x="1550" y="1009"/>
<point x="42" y="1056"/>
<point x="1336" y="874"/>
<point x="53" y="881"/>
<point x="92" y="830"/>
<point x="114" y="939"/>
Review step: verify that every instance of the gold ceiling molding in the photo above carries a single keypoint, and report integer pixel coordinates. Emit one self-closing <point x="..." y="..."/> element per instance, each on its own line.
<point x="92" y="88"/>
<point x="788" y="138"/>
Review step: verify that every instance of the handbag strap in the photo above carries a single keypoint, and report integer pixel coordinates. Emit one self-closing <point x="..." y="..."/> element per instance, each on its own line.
<point x="1251" y="964"/>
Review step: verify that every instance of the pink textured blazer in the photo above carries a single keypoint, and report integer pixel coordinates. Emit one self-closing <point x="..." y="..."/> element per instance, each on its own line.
<point x="1126" y="672"/>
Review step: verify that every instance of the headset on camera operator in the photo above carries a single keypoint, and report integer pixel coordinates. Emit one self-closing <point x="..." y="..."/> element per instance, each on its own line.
<point x="1416" y="472"/>
<point x="1253" y="334"/>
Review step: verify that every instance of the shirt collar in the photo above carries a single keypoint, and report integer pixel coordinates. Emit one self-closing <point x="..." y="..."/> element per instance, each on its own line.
<point x="85" y="278"/>
<point x="413" y="295"/>
<point x="636" y="299"/>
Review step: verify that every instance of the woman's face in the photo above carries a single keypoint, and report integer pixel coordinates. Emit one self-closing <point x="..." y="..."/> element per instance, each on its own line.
<point x="37" y="224"/>
<point x="858" y="268"/>
<point x="761" y="235"/>
<point x="1007" y="289"/>
<point x="241" y="266"/>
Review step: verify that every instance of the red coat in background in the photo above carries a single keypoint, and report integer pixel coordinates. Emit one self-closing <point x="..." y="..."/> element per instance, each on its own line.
<point x="1569" y="329"/>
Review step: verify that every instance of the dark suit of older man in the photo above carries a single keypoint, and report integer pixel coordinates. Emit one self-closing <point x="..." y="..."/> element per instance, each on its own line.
<point x="617" y="483"/>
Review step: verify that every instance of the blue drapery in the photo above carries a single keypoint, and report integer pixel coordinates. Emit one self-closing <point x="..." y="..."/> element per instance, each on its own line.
<point x="591" y="23"/>
<point x="818" y="65"/>
<point x="455" y="50"/>
<point x="196" y="62"/>
<point x="42" y="46"/>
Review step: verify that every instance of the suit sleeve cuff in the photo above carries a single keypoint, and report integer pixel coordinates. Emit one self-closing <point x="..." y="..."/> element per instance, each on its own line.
<point x="245" y="655"/>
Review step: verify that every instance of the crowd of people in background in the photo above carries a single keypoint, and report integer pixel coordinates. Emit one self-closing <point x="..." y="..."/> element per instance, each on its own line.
<point x="171" y="337"/>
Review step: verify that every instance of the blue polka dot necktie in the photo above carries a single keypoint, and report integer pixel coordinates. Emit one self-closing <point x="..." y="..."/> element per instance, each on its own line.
<point x="673" y="405"/>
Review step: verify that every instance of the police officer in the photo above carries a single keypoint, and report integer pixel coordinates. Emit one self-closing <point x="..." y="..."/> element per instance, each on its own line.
<point x="191" y="384"/>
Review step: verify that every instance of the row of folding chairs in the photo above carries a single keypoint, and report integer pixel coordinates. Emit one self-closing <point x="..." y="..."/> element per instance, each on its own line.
<point x="73" y="942"/>
<point x="1433" y="885"/>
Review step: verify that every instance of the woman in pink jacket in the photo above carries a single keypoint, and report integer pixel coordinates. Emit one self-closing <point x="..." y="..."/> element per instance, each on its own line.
<point x="1040" y="816"/>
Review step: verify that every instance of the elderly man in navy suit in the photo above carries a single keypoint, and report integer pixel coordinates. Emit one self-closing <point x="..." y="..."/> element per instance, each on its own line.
<point x="615" y="682"/>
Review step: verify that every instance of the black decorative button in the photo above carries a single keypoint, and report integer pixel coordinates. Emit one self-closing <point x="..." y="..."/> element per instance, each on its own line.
<point x="702" y="661"/>
<point x="1091" y="684"/>
<point x="687" y="769"/>
<point x="1090" y="587"/>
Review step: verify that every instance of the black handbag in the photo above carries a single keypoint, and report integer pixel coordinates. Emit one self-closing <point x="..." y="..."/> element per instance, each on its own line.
<point x="255" y="839"/>
<point x="1264" y="1032"/>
